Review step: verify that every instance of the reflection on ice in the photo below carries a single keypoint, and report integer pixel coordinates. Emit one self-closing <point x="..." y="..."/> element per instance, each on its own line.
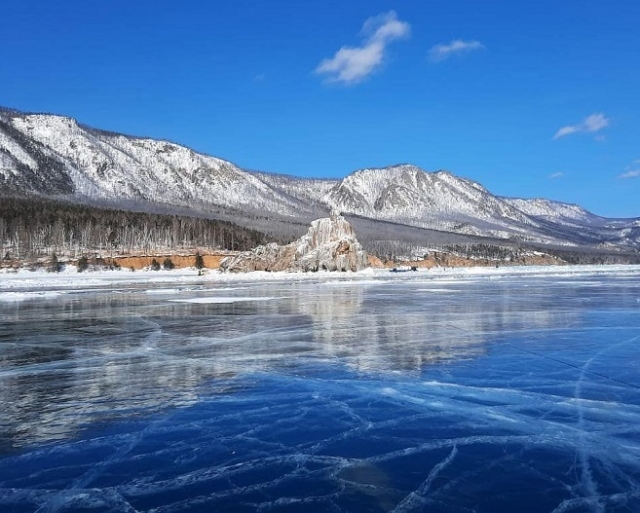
<point x="455" y="442"/>
<point x="494" y="396"/>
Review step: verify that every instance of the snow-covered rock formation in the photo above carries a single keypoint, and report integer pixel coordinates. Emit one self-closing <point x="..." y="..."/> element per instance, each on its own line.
<point x="330" y="244"/>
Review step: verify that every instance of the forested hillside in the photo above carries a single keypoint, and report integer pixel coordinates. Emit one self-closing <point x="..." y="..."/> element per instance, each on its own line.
<point x="32" y="227"/>
<point x="55" y="156"/>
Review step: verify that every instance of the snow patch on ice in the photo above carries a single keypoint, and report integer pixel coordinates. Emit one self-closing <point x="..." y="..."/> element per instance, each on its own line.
<point x="221" y="300"/>
<point x="25" y="280"/>
<point x="10" y="297"/>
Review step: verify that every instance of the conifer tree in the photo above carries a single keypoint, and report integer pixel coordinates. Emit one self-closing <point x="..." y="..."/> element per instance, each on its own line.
<point x="199" y="263"/>
<point x="83" y="264"/>
<point x="54" y="265"/>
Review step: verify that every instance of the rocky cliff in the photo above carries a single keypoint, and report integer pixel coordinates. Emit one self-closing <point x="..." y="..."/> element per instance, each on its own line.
<point x="330" y="245"/>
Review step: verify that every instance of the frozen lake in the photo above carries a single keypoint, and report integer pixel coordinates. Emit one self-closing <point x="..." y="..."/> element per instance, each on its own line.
<point x="493" y="391"/>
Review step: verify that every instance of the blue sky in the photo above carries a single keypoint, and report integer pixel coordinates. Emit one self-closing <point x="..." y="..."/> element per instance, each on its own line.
<point x="531" y="99"/>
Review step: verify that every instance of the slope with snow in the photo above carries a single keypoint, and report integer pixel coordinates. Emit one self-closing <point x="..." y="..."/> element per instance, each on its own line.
<point x="55" y="156"/>
<point x="412" y="195"/>
<point x="111" y="166"/>
<point x="544" y="208"/>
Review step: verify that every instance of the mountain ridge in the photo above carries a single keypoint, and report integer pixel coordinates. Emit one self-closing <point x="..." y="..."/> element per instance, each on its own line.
<point x="54" y="155"/>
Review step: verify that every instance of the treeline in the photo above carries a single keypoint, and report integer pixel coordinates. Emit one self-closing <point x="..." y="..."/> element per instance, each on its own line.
<point x="595" y="257"/>
<point x="32" y="227"/>
<point x="485" y="251"/>
<point x="397" y="250"/>
<point x="392" y="249"/>
<point x="574" y="256"/>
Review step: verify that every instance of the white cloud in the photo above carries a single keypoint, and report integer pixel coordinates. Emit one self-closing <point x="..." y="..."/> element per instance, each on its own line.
<point x="442" y="51"/>
<point x="557" y="175"/>
<point x="593" y="123"/>
<point x="633" y="173"/>
<point x="351" y="65"/>
<point x="630" y="172"/>
<point x="566" y="130"/>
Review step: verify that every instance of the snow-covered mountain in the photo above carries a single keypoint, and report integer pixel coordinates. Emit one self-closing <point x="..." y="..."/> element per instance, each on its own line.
<point x="440" y="200"/>
<point x="56" y="156"/>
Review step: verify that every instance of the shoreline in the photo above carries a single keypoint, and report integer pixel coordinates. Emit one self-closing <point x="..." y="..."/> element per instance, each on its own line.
<point x="24" y="284"/>
<point x="211" y="260"/>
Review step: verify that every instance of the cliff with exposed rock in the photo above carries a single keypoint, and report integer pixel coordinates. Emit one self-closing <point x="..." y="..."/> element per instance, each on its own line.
<point x="329" y="245"/>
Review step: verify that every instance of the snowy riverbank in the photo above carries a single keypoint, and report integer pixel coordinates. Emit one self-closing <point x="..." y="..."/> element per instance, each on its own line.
<point x="24" y="284"/>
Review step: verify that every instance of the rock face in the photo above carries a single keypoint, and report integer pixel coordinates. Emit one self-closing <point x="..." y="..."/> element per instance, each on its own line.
<point x="330" y="245"/>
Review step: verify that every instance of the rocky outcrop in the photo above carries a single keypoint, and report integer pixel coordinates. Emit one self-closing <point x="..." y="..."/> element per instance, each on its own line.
<point x="330" y="245"/>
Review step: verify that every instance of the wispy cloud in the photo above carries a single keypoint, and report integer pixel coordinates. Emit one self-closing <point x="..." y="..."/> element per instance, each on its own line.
<point x="632" y="173"/>
<point x="352" y="64"/>
<point x="555" y="176"/>
<point x="591" y="124"/>
<point x="443" y="51"/>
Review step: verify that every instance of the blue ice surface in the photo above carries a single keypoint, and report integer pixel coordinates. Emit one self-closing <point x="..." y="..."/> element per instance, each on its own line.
<point x="470" y="395"/>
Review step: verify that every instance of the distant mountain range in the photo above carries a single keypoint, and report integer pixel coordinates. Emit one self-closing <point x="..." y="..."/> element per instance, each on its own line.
<point x="55" y="156"/>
